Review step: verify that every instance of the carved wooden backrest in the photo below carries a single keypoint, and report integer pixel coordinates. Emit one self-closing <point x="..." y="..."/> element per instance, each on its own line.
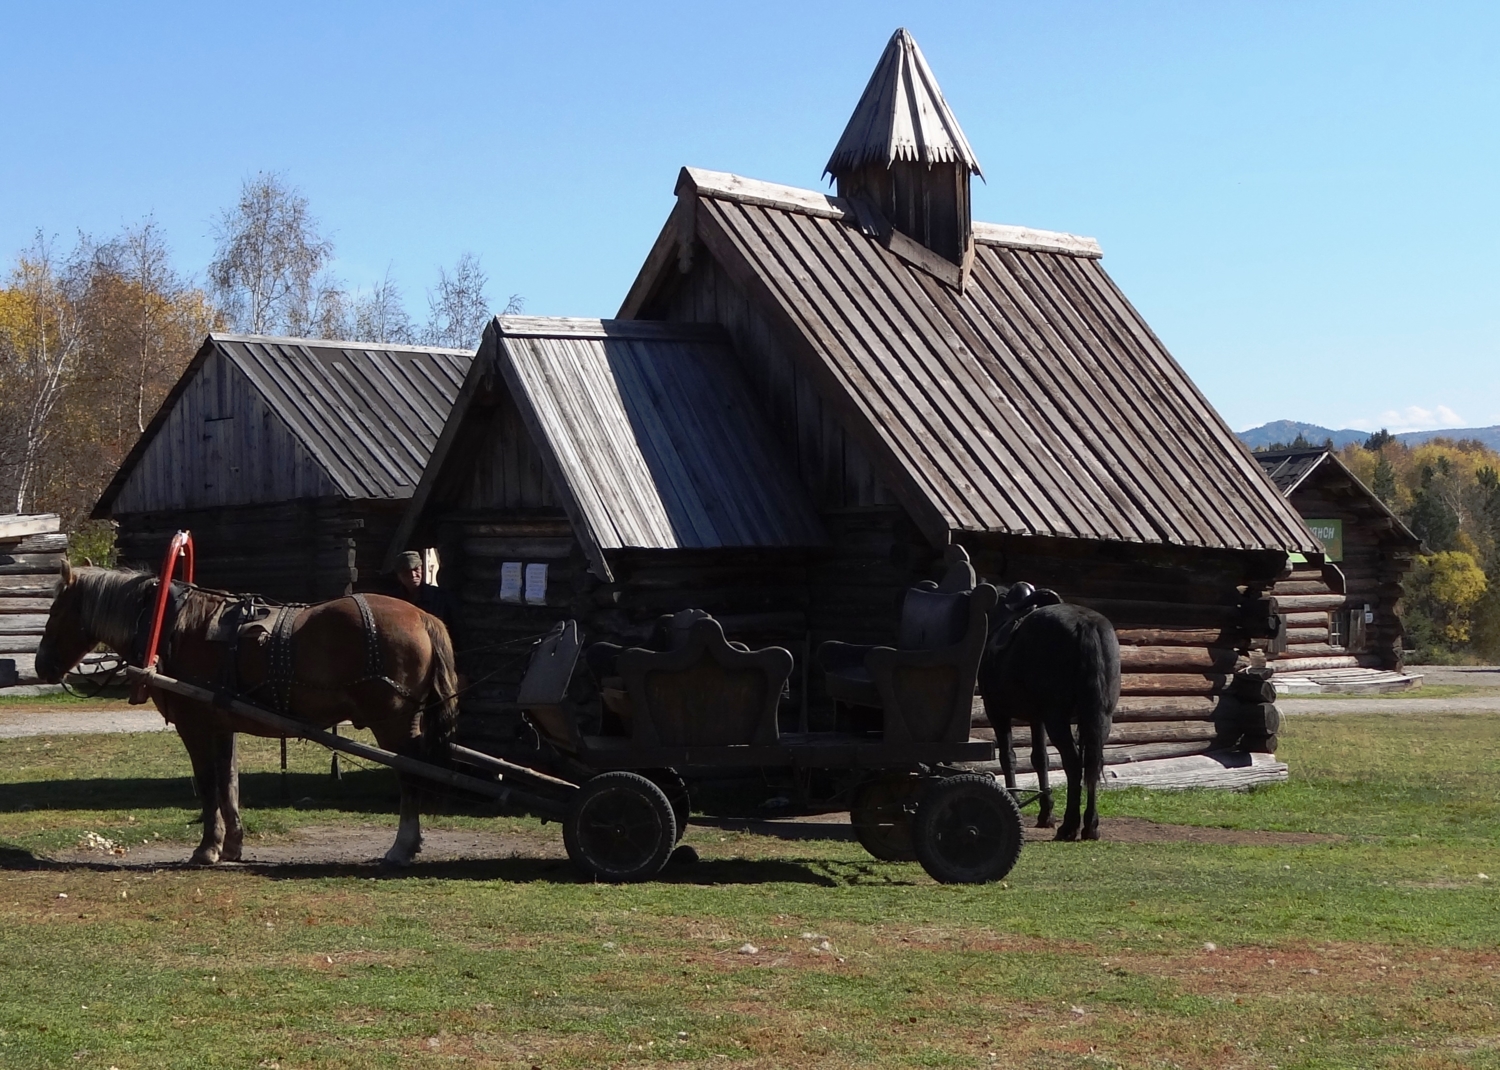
<point x="705" y="693"/>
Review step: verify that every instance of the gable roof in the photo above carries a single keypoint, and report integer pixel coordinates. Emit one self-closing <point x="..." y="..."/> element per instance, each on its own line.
<point x="1290" y="469"/>
<point x="1032" y="400"/>
<point x="648" y="432"/>
<point x="367" y="413"/>
<point x="901" y="116"/>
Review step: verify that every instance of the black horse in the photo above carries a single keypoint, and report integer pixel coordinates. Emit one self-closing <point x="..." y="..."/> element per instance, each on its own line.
<point x="1053" y="666"/>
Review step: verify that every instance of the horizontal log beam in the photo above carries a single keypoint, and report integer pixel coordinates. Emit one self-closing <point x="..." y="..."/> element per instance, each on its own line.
<point x="1298" y="603"/>
<point x="1135" y="659"/>
<point x="1164" y="707"/>
<point x="1170" y="636"/>
<point x="1164" y="683"/>
<point x="9" y="604"/>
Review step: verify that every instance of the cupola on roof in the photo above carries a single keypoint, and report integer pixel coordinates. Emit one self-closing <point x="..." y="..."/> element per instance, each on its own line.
<point x="901" y="116"/>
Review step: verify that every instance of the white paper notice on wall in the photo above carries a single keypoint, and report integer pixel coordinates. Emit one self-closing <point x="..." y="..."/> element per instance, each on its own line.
<point x="536" y="585"/>
<point x="510" y="581"/>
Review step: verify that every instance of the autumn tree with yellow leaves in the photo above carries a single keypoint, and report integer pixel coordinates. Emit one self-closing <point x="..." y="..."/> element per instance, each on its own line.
<point x="1448" y="492"/>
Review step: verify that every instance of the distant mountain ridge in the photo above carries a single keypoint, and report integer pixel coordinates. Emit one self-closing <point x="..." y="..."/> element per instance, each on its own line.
<point x="1287" y="430"/>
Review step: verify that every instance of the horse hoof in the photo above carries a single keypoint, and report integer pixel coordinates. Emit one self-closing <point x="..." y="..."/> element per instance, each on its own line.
<point x="1066" y="835"/>
<point x="1090" y="834"/>
<point x="1045" y="822"/>
<point x="205" y="857"/>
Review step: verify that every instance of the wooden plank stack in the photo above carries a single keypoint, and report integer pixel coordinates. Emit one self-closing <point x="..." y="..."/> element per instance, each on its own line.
<point x="32" y="548"/>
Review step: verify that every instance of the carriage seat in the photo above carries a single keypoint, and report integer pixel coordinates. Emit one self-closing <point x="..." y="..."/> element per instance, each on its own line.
<point x="704" y="691"/>
<point x="925" y="683"/>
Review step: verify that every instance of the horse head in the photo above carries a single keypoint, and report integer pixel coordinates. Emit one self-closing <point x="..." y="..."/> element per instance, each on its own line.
<point x="66" y="639"/>
<point x="91" y="606"/>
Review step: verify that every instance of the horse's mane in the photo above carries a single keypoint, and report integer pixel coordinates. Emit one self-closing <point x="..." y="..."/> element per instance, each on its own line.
<point x="110" y="602"/>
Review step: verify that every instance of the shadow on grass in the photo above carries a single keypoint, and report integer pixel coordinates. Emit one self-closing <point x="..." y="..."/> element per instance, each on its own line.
<point x="512" y="870"/>
<point x="361" y="791"/>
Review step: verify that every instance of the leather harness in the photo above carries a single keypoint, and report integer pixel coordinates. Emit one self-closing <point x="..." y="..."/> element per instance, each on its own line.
<point x="241" y="615"/>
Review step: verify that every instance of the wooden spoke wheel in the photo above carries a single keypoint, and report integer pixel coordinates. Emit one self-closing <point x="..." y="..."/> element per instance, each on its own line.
<point x="967" y="830"/>
<point x="675" y="789"/>
<point x="620" y="828"/>
<point x="881" y="813"/>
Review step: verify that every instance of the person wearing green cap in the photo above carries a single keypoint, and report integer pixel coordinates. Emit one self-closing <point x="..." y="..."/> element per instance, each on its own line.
<point x="411" y="575"/>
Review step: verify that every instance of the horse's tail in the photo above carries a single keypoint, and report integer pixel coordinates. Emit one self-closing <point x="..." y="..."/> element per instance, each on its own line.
<point x="440" y="718"/>
<point x="1096" y="692"/>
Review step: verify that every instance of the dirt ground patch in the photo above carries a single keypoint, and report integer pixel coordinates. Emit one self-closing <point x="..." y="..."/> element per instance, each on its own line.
<point x="340" y="845"/>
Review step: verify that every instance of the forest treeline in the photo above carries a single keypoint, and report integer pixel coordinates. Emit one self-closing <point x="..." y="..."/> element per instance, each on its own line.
<point x="94" y="334"/>
<point x="1448" y="492"/>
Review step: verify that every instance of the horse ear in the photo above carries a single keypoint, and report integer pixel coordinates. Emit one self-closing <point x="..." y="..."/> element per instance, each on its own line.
<point x="65" y="573"/>
<point x="88" y="562"/>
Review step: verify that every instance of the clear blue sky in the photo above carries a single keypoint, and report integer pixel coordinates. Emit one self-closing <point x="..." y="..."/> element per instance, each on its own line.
<point x="1302" y="198"/>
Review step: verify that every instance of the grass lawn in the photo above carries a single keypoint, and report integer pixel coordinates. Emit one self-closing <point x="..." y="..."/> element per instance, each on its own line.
<point x="1376" y="947"/>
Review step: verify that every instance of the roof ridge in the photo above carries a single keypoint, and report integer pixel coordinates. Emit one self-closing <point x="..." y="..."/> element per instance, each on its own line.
<point x="724" y="185"/>
<point x="344" y="343"/>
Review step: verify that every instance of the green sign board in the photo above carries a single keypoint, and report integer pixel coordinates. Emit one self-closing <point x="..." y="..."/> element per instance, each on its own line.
<point x="1331" y="534"/>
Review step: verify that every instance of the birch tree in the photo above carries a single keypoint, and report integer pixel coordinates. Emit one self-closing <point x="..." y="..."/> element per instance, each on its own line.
<point x="268" y="272"/>
<point x="39" y="342"/>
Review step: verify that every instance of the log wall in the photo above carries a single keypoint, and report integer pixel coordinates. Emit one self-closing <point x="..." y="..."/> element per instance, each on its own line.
<point x="31" y="553"/>
<point x="298" y="551"/>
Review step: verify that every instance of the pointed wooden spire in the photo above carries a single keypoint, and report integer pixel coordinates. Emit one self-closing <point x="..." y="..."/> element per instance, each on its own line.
<point x="901" y="116"/>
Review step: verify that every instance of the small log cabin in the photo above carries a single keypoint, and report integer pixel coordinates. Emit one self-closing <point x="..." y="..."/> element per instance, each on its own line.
<point x="290" y="459"/>
<point x="900" y="378"/>
<point x="1343" y="613"/>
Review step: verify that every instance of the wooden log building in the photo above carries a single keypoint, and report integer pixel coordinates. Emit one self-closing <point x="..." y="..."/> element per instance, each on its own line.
<point x="900" y="378"/>
<point x="291" y="461"/>
<point x="1341" y="613"/>
<point x="31" y="553"/>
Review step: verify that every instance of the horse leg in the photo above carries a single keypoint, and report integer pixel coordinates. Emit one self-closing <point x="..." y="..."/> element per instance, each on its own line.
<point x="1072" y="765"/>
<point x="227" y="774"/>
<point x="1040" y="762"/>
<point x="1006" y="745"/>
<point x="200" y="748"/>
<point x="409" y="832"/>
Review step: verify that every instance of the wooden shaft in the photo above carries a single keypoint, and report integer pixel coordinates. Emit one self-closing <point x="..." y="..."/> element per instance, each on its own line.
<point x="500" y="765"/>
<point x="289" y="726"/>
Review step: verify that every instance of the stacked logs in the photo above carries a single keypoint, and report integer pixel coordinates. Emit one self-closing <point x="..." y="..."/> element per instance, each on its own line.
<point x="31" y="553"/>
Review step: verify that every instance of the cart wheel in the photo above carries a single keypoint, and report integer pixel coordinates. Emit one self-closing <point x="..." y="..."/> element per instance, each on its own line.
<point x="881" y="814"/>
<point x="967" y="830"/>
<point x="675" y="789"/>
<point x="620" y="828"/>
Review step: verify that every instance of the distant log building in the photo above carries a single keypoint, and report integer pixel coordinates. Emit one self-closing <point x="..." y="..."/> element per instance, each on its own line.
<point x="1340" y="613"/>
<point x="289" y="459"/>
<point x="806" y="397"/>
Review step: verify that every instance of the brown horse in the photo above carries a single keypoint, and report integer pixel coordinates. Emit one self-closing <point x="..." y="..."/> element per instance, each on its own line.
<point x="394" y="676"/>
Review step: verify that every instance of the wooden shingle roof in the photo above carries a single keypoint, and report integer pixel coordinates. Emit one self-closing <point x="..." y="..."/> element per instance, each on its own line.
<point x="648" y="433"/>
<point x="1034" y="400"/>
<point x="901" y="116"/>
<point x="369" y="414"/>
